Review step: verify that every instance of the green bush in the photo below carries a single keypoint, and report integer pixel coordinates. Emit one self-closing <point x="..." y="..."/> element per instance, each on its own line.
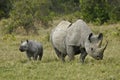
<point x="64" y="6"/>
<point x="95" y="11"/>
<point x="5" y="7"/>
<point x="26" y="13"/>
<point x="100" y="11"/>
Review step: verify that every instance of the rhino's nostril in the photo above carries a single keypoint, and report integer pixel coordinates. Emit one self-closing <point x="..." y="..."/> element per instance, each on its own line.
<point x="91" y="49"/>
<point x="97" y="56"/>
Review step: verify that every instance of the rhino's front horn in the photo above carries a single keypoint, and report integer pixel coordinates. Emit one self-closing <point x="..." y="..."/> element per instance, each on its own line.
<point x="104" y="47"/>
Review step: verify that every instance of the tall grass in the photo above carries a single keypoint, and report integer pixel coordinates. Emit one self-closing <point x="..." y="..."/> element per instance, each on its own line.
<point x="14" y="64"/>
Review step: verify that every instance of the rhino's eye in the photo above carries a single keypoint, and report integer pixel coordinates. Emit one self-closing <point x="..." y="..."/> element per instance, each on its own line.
<point x="97" y="56"/>
<point x="91" y="49"/>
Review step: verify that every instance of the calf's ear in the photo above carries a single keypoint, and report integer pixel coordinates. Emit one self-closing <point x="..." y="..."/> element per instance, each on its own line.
<point x="100" y="36"/>
<point x="27" y="40"/>
<point x="21" y="41"/>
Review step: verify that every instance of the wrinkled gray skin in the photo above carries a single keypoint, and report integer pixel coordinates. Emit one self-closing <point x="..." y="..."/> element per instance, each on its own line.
<point x="32" y="48"/>
<point x="71" y="39"/>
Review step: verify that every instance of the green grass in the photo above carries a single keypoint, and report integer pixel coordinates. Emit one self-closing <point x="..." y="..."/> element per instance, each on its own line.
<point x="14" y="64"/>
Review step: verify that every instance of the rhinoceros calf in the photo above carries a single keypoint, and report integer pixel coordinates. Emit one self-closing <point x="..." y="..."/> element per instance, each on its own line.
<point x="32" y="48"/>
<point x="71" y="39"/>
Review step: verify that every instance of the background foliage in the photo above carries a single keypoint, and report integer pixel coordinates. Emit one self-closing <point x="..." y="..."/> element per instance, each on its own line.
<point x="5" y="7"/>
<point x="27" y="13"/>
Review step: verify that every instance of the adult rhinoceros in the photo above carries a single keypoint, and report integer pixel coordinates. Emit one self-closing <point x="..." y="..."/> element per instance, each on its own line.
<point x="71" y="39"/>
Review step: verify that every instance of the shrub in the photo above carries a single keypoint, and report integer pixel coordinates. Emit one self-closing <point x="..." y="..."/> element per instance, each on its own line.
<point x="26" y="13"/>
<point x="94" y="10"/>
<point x="5" y="7"/>
<point x="100" y="11"/>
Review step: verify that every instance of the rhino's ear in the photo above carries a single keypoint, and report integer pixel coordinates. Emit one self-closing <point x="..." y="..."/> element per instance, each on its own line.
<point x="100" y="36"/>
<point x="90" y="35"/>
<point x="21" y="41"/>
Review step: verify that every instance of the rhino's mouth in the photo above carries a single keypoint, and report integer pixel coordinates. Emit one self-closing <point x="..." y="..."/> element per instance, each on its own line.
<point x="22" y="50"/>
<point x="98" y="58"/>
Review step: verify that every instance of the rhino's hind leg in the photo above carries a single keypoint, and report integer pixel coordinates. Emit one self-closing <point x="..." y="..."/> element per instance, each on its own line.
<point x="40" y="56"/>
<point x="83" y="55"/>
<point x="57" y="52"/>
<point x="60" y="55"/>
<point x="70" y="52"/>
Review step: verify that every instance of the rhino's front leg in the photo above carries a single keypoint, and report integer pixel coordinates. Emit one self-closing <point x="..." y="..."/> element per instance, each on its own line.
<point x="70" y="52"/>
<point x="58" y="53"/>
<point x="28" y="55"/>
<point x="63" y="57"/>
<point x="83" y="55"/>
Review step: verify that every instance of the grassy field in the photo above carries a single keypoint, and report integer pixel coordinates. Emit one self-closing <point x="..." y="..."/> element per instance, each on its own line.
<point x="14" y="65"/>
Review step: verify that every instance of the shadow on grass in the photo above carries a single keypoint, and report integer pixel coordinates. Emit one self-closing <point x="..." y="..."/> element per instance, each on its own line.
<point x="51" y="60"/>
<point x="23" y="61"/>
<point x="37" y="61"/>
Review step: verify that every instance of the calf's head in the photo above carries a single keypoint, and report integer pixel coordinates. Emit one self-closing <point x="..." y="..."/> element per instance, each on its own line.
<point x="93" y="46"/>
<point x="24" y="46"/>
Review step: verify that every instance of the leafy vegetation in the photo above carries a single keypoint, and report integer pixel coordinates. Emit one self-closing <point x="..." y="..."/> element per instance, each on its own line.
<point x="98" y="10"/>
<point x="5" y="7"/>
<point x="26" y="13"/>
<point x="32" y="14"/>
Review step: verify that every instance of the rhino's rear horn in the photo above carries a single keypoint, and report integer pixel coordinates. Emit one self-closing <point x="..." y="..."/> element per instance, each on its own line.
<point x="99" y="43"/>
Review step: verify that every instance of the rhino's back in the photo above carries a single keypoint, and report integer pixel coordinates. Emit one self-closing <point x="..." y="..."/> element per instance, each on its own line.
<point x="58" y="35"/>
<point x="35" y="46"/>
<point x="79" y="30"/>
